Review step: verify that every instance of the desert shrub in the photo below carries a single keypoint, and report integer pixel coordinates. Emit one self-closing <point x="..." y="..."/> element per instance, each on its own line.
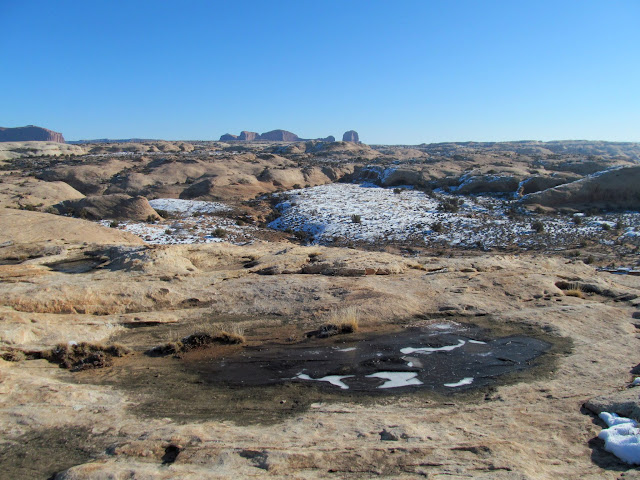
<point x="398" y="190"/>
<point x="152" y="219"/>
<point x="219" y="233"/>
<point x="620" y="225"/>
<point x="437" y="227"/>
<point x="538" y="226"/>
<point x="13" y="356"/>
<point x="84" y="356"/>
<point x="342" y="321"/>
<point x="606" y="227"/>
<point x="577" y="220"/>
<point x="200" y="339"/>
<point x="356" y="218"/>
<point x="450" y="205"/>
<point x="589" y="260"/>
<point x="114" y="224"/>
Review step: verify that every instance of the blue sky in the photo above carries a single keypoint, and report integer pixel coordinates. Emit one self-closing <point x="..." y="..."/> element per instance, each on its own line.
<point x="397" y="72"/>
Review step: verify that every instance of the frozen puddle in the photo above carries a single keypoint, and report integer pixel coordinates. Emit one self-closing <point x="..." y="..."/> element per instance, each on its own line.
<point x="396" y="379"/>
<point x="448" y="360"/>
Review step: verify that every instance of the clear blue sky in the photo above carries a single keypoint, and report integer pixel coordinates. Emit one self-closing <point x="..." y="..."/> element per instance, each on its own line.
<point x="397" y="72"/>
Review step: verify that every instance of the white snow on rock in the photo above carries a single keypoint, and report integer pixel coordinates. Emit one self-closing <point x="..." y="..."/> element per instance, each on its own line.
<point x="176" y="205"/>
<point x="622" y="438"/>
<point x="446" y="348"/>
<point x="396" y="379"/>
<point x="464" y="381"/>
<point x="332" y="379"/>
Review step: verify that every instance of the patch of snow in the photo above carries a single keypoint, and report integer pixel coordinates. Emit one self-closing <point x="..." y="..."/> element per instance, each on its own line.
<point x="446" y="348"/>
<point x="636" y="382"/>
<point x="348" y="349"/>
<point x="464" y="381"/>
<point x="176" y="205"/>
<point x="622" y="438"/>
<point x="332" y="379"/>
<point x="396" y="379"/>
<point x="478" y="342"/>
<point x="325" y="212"/>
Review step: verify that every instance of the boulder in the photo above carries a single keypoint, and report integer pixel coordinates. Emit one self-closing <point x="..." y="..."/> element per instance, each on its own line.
<point x="117" y="206"/>
<point x="487" y="184"/>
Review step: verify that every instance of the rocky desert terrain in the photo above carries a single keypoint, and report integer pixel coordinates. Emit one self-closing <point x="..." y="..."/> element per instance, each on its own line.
<point x="318" y="309"/>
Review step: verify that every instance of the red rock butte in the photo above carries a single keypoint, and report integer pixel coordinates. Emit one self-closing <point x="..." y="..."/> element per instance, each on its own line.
<point x="30" y="133"/>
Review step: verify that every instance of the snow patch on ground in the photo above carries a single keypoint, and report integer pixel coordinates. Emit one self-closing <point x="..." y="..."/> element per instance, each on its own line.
<point x="366" y="213"/>
<point x="396" y="379"/>
<point x="176" y="205"/>
<point x="622" y="438"/>
<point x="193" y="222"/>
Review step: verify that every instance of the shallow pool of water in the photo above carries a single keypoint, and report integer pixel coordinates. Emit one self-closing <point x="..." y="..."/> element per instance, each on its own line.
<point x="435" y="358"/>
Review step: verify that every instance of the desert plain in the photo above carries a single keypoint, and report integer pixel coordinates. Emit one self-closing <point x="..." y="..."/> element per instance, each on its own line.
<point x="242" y="309"/>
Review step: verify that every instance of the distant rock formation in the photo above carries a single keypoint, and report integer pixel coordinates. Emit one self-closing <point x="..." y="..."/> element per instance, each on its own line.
<point x="272" y="136"/>
<point x="29" y="133"/>
<point x="351" y="136"/>
<point x="227" y="137"/>
<point x="249" y="136"/>
<point x="280" y="136"/>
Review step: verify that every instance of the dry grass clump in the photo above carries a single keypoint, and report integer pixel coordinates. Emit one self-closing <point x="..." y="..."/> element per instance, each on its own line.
<point x="13" y="355"/>
<point x="84" y="356"/>
<point x="222" y="335"/>
<point x="574" y="290"/>
<point x="340" y="322"/>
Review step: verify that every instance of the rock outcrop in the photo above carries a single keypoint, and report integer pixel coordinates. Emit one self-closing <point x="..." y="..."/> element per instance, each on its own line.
<point x="351" y="136"/>
<point x="615" y="188"/>
<point x="29" y="133"/>
<point x="117" y="206"/>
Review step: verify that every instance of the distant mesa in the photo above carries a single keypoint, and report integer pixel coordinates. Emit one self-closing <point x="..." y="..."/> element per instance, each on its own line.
<point x="30" y="133"/>
<point x="248" y="136"/>
<point x="351" y="136"/>
<point x="272" y="136"/>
